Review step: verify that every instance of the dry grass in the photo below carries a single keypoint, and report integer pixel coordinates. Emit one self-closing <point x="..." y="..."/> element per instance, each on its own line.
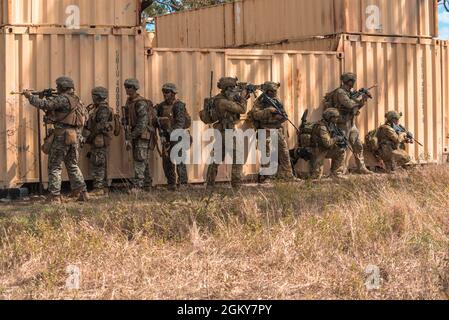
<point x="310" y="241"/>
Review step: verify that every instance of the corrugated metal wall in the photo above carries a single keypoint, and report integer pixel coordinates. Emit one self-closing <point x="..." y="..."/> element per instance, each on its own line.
<point x="445" y="95"/>
<point x="305" y="78"/>
<point x="409" y="73"/>
<point x="123" y="13"/>
<point x="258" y="22"/>
<point x="34" y="58"/>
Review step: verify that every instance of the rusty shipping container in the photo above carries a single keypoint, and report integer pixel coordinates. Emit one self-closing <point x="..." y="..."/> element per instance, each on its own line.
<point x="59" y="13"/>
<point x="412" y="78"/>
<point x="259" y="22"/>
<point x="305" y="78"/>
<point x="33" y="57"/>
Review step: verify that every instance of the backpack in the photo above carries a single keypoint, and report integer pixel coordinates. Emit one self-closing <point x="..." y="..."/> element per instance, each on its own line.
<point x="305" y="135"/>
<point x="371" y="141"/>
<point x="187" y="116"/>
<point x="328" y="101"/>
<point x="209" y="114"/>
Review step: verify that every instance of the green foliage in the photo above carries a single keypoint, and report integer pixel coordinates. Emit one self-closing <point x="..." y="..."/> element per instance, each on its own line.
<point x="159" y="7"/>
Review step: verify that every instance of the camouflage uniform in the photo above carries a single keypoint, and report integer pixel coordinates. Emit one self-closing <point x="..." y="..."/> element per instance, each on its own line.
<point x="172" y="116"/>
<point x="391" y="144"/>
<point x="66" y="112"/>
<point x="325" y="146"/>
<point x="230" y="106"/>
<point x="349" y="109"/>
<point x="99" y="134"/>
<point x="141" y="115"/>
<point x="265" y="116"/>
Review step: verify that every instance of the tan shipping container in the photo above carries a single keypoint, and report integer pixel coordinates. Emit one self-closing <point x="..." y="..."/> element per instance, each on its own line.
<point x="259" y="22"/>
<point x="34" y="58"/>
<point x="305" y="77"/>
<point x="445" y="95"/>
<point x="120" y="13"/>
<point x="410" y="74"/>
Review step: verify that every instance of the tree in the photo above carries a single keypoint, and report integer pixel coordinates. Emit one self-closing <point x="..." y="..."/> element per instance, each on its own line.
<point x="158" y="7"/>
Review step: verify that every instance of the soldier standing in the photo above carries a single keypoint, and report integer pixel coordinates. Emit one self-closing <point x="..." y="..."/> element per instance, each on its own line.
<point x="392" y="143"/>
<point x="349" y="108"/>
<point x="267" y="117"/>
<point x="172" y="115"/>
<point x="98" y="133"/>
<point x="326" y="144"/>
<point x="229" y="105"/>
<point x="66" y="113"/>
<point x="141" y="116"/>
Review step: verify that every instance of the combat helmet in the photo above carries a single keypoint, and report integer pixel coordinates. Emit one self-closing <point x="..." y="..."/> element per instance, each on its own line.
<point x="270" y="86"/>
<point x="227" y="82"/>
<point x="132" y="83"/>
<point x="348" y="76"/>
<point x="100" y="92"/>
<point x="65" y="82"/>
<point x="393" y="115"/>
<point x="170" y="87"/>
<point x="331" y="113"/>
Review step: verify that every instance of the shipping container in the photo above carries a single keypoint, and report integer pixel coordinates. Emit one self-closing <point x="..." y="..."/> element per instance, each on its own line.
<point x="445" y="95"/>
<point x="305" y="78"/>
<point x="85" y="13"/>
<point x="33" y="57"/>
<point x="410" y="73"/>
<point x="261" y="22"/>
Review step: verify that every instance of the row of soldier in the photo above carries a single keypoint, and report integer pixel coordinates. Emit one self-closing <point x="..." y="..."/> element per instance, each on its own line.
<point x="330" y="138"/>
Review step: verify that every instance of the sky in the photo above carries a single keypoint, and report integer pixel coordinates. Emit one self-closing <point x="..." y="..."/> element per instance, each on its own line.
<point x="444" y="24"/>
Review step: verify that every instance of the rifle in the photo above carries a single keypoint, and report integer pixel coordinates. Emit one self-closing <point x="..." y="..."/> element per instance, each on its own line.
<point x="363" y="92"/>
<point x="279" y="108"/>
<point x="46" y="93"/>
<point x="410" y="138"/>
<point x="126" y="126"/>
<point x="336" y="132"/>
<point x="250" y="88"/>
<point x="165" y="139"/>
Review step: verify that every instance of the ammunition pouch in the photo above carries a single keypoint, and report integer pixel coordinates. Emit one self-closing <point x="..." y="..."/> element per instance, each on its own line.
<point x="48" y="142"/>
<point x="71" y="137"/>
<point x="99" y="141"/>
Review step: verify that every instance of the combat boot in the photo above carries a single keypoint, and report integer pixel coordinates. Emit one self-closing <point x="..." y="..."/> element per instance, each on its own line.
<point x="172" y="187"/>
<point x="99" y="193"/>
<point x="54" y="199"/>
<point x="338" y="176"/>
<point x="363" y="170"/>
<point x="83" y="197"/>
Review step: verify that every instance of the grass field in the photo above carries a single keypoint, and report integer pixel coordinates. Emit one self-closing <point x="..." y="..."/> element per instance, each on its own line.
<point x="288" y="241"/>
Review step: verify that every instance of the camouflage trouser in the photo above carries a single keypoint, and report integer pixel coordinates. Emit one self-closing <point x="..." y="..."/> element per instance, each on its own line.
<point x="170" y="169"/>
<point x="142" y="172"/>
<point x="353" y="135"/>
<point x="393" y="158"/>
<point x="236" y="169"/>
<point x="337" y="155"/>
<point x="98" y="164"/>
<point x="60" y="153"/>
<point x="285" y="170"/>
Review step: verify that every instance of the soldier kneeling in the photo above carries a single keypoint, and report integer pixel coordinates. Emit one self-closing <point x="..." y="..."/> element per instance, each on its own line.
<point x="392" y="142"/>
<point x="326" y="144"/>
